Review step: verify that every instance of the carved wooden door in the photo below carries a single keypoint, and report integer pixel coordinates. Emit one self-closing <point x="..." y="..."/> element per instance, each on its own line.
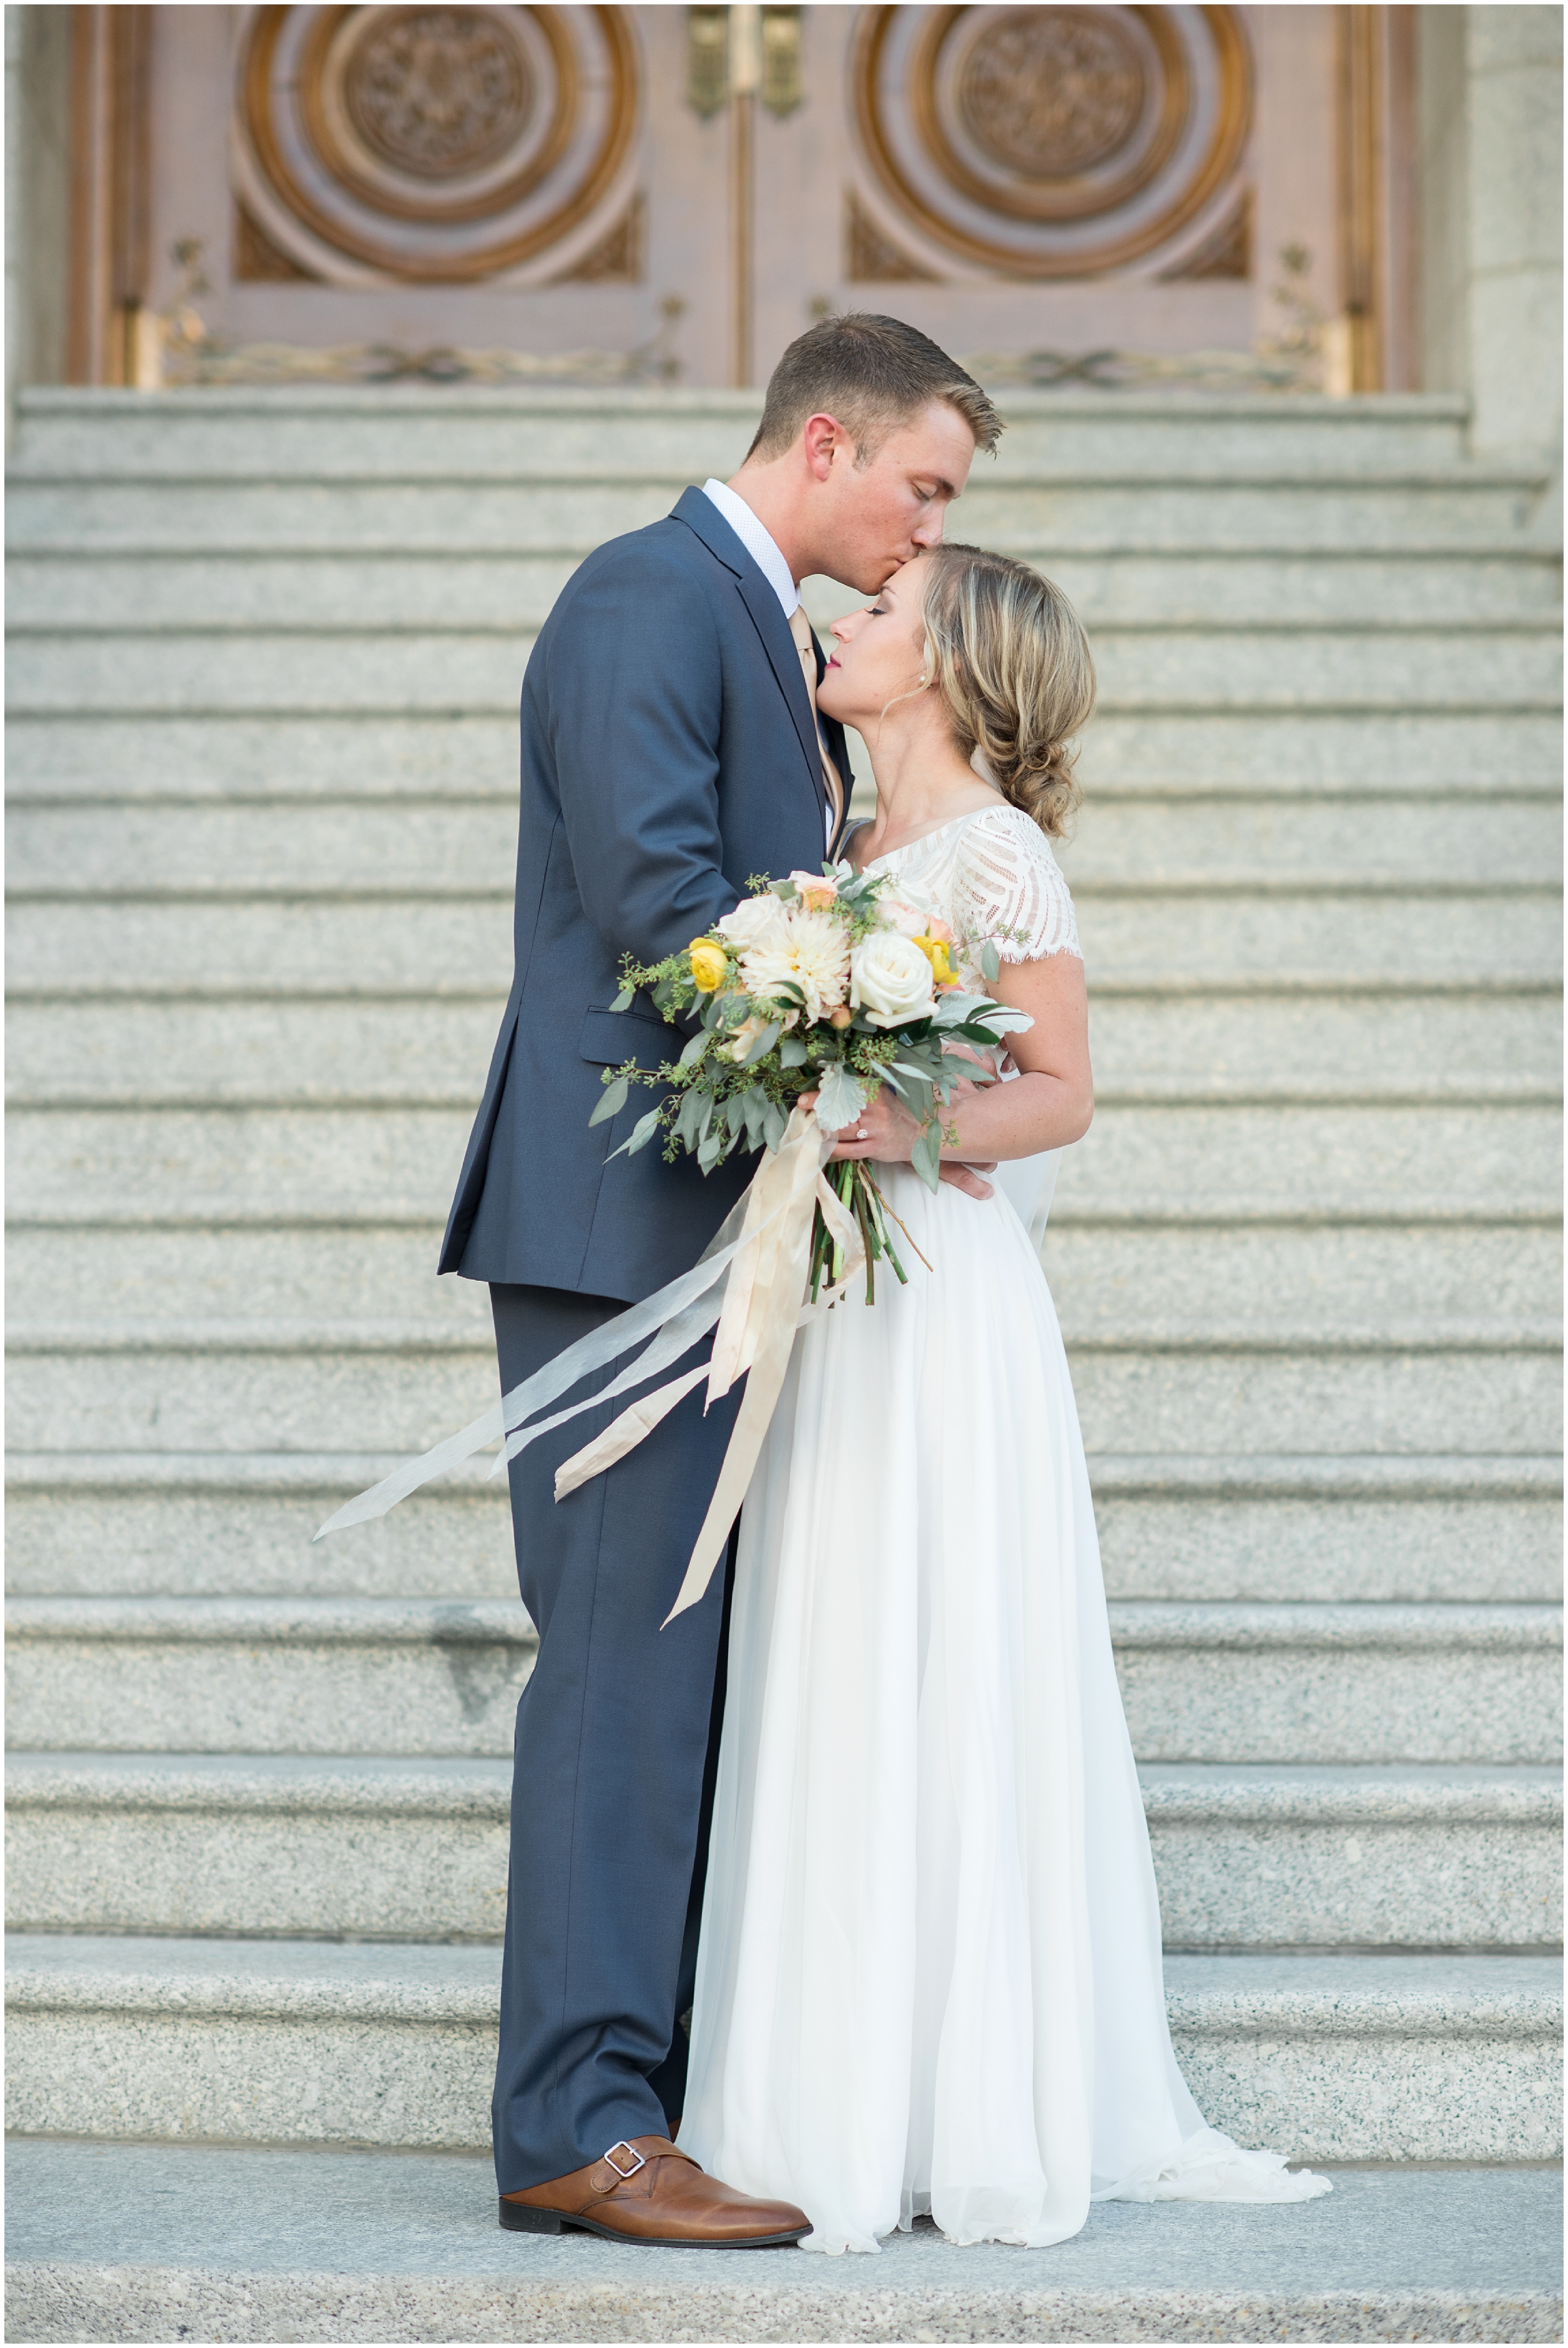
<point x="625" y="193"/>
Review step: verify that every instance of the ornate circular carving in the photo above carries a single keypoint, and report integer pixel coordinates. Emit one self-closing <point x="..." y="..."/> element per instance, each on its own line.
<point x="1052" y="142"/>
<point x="435" y="145"/>
<point x="1050" y="92"/>
<point x="436" y="91"/>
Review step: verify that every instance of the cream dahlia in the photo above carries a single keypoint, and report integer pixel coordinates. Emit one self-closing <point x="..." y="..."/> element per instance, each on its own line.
<point x="813" y="953"/>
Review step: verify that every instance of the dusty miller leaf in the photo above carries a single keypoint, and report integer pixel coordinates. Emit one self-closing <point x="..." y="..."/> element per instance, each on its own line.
<point x="841" y="1097"/>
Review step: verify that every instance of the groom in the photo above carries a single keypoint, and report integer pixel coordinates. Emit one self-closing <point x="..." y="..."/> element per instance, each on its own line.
<point x="670" y="749"/>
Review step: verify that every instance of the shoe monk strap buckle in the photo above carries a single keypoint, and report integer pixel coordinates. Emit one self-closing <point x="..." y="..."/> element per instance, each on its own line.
<point x="633" y="2154"/>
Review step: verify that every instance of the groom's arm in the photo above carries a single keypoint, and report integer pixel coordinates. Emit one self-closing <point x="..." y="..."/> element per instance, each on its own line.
<point x="635" y="696"/>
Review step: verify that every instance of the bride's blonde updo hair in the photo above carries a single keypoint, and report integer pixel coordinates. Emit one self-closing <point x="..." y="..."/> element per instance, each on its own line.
<point x="1007" y="653"/>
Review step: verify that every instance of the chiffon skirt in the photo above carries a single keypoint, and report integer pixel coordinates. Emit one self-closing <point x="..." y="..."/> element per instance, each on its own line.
<point x="929" y="1976"/>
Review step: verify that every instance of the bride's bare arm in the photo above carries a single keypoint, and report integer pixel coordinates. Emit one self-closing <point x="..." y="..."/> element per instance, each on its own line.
<point x="1048" y="1104"/>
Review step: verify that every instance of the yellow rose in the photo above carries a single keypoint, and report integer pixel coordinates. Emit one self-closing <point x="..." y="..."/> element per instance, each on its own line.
<point x="708" y="965"/>
<point x="936" y="953"/>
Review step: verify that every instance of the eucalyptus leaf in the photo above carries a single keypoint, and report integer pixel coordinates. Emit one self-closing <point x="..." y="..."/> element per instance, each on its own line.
<point x="687" y="1123"/>
<point x="625" y="999"/>
<point x="990" y="963"/>
<point x="710" y="1150"/>
<point x="761" y="1044"/>
<point x="695" y="1049"/>
<point x="792" y="1053"/>
<point x="641" y="1133"/>
<point x="613" y="1102"/>
<point x="775" y="1124"/>
<point x="927" y="1156"/>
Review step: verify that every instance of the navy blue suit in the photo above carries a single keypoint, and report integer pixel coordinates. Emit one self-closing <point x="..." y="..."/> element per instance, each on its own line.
<point x="669" y="753"/>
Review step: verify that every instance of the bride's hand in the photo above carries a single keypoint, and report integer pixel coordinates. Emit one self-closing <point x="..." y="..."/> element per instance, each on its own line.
<point x="884" y="1132"/>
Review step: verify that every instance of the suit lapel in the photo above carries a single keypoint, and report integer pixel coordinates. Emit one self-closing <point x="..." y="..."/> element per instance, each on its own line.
<point x="779" y="645"/>
<point x="703" y="516"/>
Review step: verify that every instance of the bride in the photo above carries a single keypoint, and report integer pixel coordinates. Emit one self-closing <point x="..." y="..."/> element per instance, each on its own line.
<point x="929" y="1975"/>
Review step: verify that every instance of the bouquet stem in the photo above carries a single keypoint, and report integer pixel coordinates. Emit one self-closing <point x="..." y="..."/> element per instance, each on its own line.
<point x="857" y="1188"/>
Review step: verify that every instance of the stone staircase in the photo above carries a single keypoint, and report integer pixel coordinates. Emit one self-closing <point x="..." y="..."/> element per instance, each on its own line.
<point x="266" y="651"/>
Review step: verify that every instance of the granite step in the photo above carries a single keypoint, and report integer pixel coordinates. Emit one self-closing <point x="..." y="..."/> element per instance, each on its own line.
<point x="189" y="1387"/>
<point x="1212" y="1681"/>
<point x="1455" y="755"/>
<point x="1325" y="1284"/>
<point x="262" y="2244"/>
<point x="394" y="2044"/>
<point x="425" y="1677"/>
<point x="1374" y="1049"/>
<point x="248" y="669"/>
<point x="1247" y="1857"/>
<point x="91" y="585"/>
<point x="1325" y="1528"/>
<point x="1265" y="842"/>
<point x="1483" y="511"/>
<point x="1231" y="1162"/>
<point x="516" y="433"/>
<point x="425" y="945"/>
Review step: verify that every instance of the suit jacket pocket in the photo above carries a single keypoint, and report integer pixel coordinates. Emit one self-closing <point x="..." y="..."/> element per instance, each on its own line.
<point x="609" y="1037"/>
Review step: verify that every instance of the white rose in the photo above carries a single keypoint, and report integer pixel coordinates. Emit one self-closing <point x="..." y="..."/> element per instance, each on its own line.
<point x="890" y="979"/>
<point x="756" y="921"/>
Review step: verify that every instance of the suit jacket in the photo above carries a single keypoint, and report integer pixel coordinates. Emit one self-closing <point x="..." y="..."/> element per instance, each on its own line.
<point x="669" y="753"/>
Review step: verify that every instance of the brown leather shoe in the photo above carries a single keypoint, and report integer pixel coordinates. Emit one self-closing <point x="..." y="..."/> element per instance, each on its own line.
<point x="649" y="2191"/>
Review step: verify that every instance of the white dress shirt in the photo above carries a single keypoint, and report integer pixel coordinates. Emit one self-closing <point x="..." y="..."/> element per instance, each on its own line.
<point x="760" y="545"/>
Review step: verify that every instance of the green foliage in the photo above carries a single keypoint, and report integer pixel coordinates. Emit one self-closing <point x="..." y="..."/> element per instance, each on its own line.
<point x="745" y="1061"/>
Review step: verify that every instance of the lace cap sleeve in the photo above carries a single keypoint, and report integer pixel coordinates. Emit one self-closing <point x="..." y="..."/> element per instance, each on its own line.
<point x="1008" y="887"/>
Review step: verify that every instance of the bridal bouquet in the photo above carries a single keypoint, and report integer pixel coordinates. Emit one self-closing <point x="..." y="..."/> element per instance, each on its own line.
<point x="827" y="984"/>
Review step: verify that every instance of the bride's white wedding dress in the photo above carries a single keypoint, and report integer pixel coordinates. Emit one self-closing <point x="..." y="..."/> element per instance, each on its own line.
<point x="929" y="1977"/>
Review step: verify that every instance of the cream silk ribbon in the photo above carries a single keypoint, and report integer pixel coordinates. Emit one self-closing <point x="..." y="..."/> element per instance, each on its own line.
<point x="750" y="1280"/>
<point x="800" y="629"/>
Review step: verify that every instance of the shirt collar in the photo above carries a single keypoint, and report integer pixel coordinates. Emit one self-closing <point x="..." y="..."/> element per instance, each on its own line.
<point x="757" y="542"/>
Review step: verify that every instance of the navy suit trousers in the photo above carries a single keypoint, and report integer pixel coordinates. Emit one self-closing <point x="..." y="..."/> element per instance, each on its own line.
<point x="616" y="1746"/>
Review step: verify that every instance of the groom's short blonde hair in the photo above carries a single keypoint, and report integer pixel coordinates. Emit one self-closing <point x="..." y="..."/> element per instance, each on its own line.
<point x="871" y="374"/>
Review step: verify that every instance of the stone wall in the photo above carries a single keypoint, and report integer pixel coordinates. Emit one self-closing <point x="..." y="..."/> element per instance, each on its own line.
<point x="1490" y="85"/>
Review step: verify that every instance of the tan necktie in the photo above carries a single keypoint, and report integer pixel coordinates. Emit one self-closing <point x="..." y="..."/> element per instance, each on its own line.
<point x="800" y="629"/>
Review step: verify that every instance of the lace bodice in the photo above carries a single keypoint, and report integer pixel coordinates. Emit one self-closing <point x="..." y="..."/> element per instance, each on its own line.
<point x="989" y="875"/>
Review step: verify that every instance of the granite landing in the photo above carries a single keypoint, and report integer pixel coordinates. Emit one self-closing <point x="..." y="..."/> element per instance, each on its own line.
<point x="145" y="2242"/>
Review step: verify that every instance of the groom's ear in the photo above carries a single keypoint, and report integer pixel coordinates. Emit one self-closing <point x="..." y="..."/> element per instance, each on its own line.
<point x="826" y="442"/>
